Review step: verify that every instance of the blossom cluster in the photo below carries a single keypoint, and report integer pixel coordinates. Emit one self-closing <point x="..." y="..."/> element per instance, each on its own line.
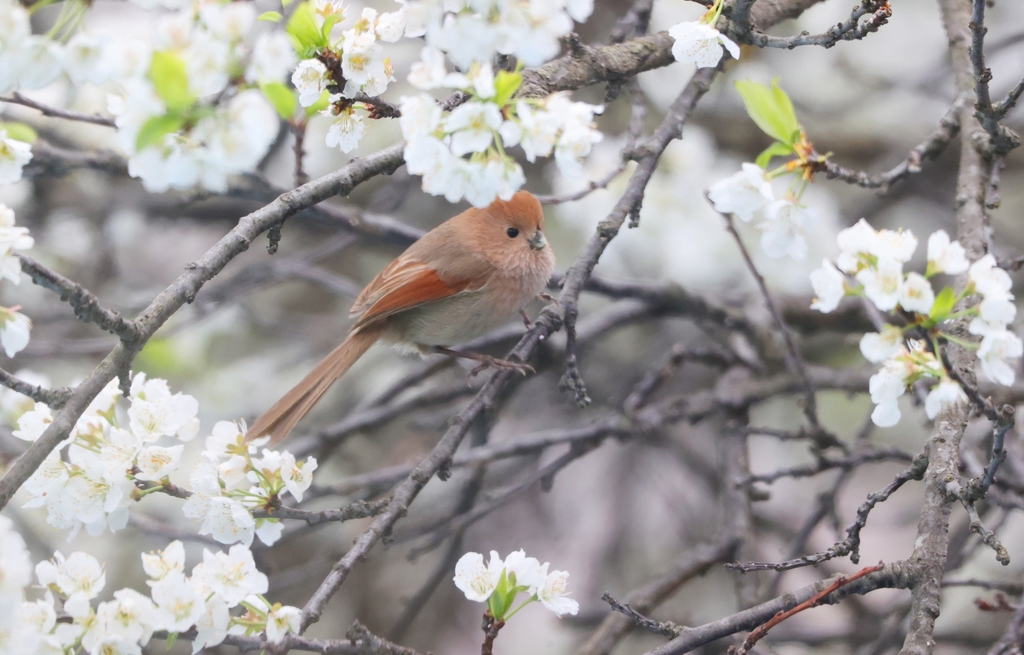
<point x="783" y="222"/>
<point x="14" y="326"/>
<point x="233" y="478"/>
<point x="96" y="482"/>
<point x="123" y="625"/>
<point x="113" y="459"/>
<point x="498" y="582"/>
<point x="483" y="128"/>
<point x="911" y="351"/>
<point x="187" y="110"/>
<point x="358" y="66"/>
<point x="475" y="31"/>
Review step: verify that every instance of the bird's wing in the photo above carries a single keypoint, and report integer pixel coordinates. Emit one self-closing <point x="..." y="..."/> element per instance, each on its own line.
<point x="405" y="283"/>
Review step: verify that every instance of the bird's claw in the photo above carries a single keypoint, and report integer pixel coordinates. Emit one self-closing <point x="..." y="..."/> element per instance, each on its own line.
<point x="518" y="367"/>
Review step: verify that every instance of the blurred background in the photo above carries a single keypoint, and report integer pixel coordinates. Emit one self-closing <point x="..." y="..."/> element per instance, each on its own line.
<point x="622" y="514"/>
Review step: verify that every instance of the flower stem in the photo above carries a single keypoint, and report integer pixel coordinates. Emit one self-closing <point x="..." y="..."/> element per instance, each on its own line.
<point x="490" y="628"/>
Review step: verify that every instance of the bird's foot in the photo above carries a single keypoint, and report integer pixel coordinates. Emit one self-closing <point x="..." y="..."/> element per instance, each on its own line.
<point x="486" y="361"/>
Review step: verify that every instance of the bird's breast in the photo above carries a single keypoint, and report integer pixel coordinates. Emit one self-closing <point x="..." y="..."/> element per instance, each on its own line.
<point x="467" y="315"/>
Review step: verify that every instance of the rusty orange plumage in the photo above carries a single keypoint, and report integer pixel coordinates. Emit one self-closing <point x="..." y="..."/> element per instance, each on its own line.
<point x="462" y="279"/>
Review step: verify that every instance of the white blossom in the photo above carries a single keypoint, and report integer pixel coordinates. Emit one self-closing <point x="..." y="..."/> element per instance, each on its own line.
<point x="539" y="130"/>
<point x="156" y="462"/>
<point x="207" y="63"/>
<point x="829" y="287"/>
<point x="390" y="26"/>
<point x="700" y="44"/>
<point x="79" y="575"/>
<point x="281" y="621"/>
<point x="429" y="72"/>
<point x="130" y="616"/>
<point x="916" y="294"/>
<point x="553" y="595"/>
<point x="85" y="58"/>
<point x="527" y="571"/>
<point x="12" y="238"/>
<point x="897" y="245"/>
<point x="854" y="243"/>
<point x="14" y="154"/>
<point x="995" y="313"/>
<point x="882" y="284"/>
<point x="228" y="521"/>
<point x="996" y="352"/>
<point x="212" y="624"/>
<point x="272" y="58"/>
<point x="942" y="396"/>
<point x="156" y="412"/>
<point x="474" y="579"/>
<point x="744" y="193"/>
<point x="15" y="565"/>
<point x="125" y="59"/>
<point x="346" y="130"/>
<point x="228" y="22"/>
<point x="298" y="476"/>
<point x="39" y="62"/>
<point x="473" y="125"/>
<point x="232" y="575"/>
<point x="886" y="386"/>
<point x="880" y="346"/>
<point x="32" y="423"/>
<point x="782" y="232"/>
<point x="180" y="604"/>
<point x="160" y="564"/>
<point x="421" y="116"/>
<point x="15" y="330"/>
<point x="945" y="256"/>
<point x="988" y="279"/>
<point x="310" y="79"/>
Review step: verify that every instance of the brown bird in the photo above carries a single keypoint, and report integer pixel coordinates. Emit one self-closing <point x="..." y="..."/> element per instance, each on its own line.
<point x="464" y="278"/>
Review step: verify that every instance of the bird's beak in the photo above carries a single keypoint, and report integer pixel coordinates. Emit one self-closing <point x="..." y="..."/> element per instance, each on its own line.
<point x="537" y="242"/>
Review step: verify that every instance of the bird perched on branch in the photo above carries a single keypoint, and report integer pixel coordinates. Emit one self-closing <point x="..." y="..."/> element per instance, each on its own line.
<point x="462" y="279"/>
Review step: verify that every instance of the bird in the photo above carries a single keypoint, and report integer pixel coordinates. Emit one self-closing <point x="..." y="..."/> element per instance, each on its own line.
<point x="460" y="280"/>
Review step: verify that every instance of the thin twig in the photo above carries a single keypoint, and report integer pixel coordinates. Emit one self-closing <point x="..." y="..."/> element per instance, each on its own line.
<point x="85" y="304"/>
<point x="666" y="628"/>
<point x="927" y="150"/>
<point x="53" y="398"/>
<point x="851" y="545"/>
<point x="794" y="360"/>
<point x="878" y="12"/>
<point x="55" y="112"/>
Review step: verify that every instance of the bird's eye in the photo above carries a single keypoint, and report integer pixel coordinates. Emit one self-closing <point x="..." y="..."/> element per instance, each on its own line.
<point x="512" y="232"/>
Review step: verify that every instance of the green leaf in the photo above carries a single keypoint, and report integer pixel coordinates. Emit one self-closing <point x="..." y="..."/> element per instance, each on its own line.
<point x="156" y="128"/>
<point x="171" y="81"/>
<point x="20" y="132"/>
<point x="281" y="97"/>
<point x="303" y="29"/>
<point x="325" y="30"/>
<point x="285" y="3"/>
<point x="505" y="86"/>
<point x="777" y="149"/>
<point x="943" y="305"/>
<point x="272" y="16"/>
<point x="771" y="109"/>
<point x="319" y="105"/>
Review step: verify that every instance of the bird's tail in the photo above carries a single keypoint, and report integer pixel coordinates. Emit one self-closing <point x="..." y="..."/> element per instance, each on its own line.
<point x="279" y="420"/>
